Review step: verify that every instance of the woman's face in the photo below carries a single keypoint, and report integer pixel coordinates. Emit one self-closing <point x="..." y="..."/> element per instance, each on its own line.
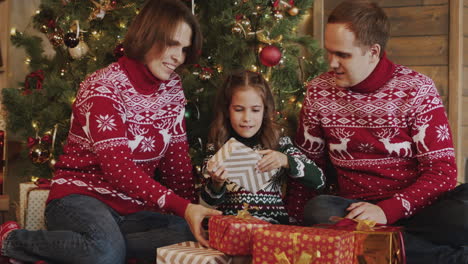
<point x="161" y="65"/>
<point x="246" y="112"/>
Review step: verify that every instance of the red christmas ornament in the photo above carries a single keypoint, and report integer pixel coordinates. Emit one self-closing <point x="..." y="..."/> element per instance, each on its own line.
<point x="270" y="55"/>
<point x="119" y="51"/>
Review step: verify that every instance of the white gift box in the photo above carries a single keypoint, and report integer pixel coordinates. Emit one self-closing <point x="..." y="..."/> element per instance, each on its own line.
<point x="240" y="162"/>
<point x="193" y="253"/>
<point x="32" y="203"/>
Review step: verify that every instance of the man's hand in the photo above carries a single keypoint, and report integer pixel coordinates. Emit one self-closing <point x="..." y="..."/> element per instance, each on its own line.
<point x="272" y="160"/>
<point x="366" y="211"/>
<point x="194" y="215"/>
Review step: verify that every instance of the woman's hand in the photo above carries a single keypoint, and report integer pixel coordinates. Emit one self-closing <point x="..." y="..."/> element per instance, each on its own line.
<point x="194" y="215"/>
<point x="218" y="174"/>
<point x="272" y="160"/>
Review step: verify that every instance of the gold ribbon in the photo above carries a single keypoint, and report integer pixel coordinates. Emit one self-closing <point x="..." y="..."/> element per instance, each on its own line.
<point x="244" y="213"/>
<point x="304" y="258"/>
<point x="262" y="38"/>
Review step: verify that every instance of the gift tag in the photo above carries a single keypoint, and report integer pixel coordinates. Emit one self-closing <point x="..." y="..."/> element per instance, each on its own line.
<point x="240" y="162"/>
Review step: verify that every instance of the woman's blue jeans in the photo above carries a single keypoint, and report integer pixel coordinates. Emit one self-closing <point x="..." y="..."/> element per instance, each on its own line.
<point x="82" y="229"/>
<point x="436" y="234"/>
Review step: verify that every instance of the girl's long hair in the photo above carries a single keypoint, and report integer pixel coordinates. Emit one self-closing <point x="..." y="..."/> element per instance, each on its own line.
<point x="220" y="128"/>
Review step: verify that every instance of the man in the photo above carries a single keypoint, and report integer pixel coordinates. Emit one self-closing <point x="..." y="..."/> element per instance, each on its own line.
<point x="387" y="136"/>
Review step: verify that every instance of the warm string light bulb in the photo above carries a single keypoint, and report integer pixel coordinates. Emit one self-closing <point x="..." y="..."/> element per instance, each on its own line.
<point x="13" y="31"/>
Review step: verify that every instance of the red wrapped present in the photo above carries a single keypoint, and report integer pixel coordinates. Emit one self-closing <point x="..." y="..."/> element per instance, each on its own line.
<point x="233" y="234"/>
<point x="300" y="245"/>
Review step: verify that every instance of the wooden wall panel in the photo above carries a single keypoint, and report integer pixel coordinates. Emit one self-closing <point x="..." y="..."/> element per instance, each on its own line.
<point x="425" y="50"/>
<point x="414" y="21"/>
<point x="465" y="117"/>
<point x="465" y="141"/>
<point x="465" y="48"/>
<point x="465" y="21"/>
<point x="465" y="82"/>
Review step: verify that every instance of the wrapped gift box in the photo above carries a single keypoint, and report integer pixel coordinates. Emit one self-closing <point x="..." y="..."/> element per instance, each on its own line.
<point x="381" y="246"/>
<point x="373" y="244"/>
<point x="193" y="253"/>
<point x="32" y="202"/>
<point x="233" y="234"/>
<point x="240" y="162"/>
<point x="296" y="244"/>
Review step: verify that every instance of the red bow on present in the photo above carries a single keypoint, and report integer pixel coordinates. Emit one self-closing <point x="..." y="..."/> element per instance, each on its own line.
<point x="38" y="76"/>
<point x="42" y="183"/>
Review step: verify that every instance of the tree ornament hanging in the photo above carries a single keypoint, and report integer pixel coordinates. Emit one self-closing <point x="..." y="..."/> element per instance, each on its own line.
<point x="206" y="74"/>
<point x="79" y="51"/>
<point x="101" y="8"/>
<point x="277" y="15"/>
<point x="71" y="40"/>
<point x="39" y="153"/>
<point x="81" y="48"/>
<point x="119" y="51"/>
<point x="34" y="79"/>
<point x="56" y="38"/>
<point x="293" y="11"/>
<point x="270" y="55"/>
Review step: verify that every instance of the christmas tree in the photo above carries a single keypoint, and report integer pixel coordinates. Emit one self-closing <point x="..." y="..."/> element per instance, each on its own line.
<point x="255" y="34"/>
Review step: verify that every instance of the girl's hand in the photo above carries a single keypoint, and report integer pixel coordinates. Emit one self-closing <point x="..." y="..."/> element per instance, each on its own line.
<point x="272" y="160"/>
<point x="217" y="172"/>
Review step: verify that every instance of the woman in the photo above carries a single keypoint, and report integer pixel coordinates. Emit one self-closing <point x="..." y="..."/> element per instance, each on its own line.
<point x="127" y="123"/>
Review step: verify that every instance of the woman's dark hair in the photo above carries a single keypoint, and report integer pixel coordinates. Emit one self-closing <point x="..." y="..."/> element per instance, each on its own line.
<point x="155" y="25"/>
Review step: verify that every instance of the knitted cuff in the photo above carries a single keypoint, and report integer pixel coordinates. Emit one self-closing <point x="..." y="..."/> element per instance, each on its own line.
<point x="393" y="210"/>
<point x="176" y="204"/>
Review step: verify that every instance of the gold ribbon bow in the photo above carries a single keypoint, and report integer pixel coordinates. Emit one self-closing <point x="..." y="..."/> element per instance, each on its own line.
<point x="244" y="213"/>
<point x="262" y="38"/>
<point x="304" y="258"/>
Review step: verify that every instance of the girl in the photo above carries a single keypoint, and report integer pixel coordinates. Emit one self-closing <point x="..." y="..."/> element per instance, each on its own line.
<point x="245" y="111"/>
<point x="103" y="199"/>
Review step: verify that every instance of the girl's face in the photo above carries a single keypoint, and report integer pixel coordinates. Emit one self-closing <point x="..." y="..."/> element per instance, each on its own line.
<point x="246" y="112"/>
<point x="162" y="65"/>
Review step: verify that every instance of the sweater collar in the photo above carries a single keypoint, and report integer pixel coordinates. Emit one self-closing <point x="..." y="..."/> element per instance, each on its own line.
<point x="379" y="76"/>
<point x="139" y="75"/>
<point x="249" y="142"/>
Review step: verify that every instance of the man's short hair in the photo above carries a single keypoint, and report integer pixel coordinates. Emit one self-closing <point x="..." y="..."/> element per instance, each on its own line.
<point x="365" y="19"/>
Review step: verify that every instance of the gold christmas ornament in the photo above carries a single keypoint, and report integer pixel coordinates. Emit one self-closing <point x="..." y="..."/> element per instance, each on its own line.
<point x="293" y="11"/>
<point x="56" y="38"/>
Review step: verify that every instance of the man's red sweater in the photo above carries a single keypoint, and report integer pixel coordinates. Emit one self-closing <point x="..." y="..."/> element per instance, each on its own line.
<point x="126" y="124"/>
<point x="388" y="138"/>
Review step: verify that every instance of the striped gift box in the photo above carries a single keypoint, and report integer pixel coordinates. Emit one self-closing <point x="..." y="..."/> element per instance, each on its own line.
<point x="240" y="162"/>
<point x="190" y="253"/>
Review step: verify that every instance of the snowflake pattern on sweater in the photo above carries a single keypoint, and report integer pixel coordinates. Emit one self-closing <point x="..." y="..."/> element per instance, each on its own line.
<point x="118" y="137"/>
<point x="391" y="146"/>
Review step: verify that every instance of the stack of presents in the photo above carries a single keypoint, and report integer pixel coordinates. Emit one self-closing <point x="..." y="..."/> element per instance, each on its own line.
<point x="243" y="239"/>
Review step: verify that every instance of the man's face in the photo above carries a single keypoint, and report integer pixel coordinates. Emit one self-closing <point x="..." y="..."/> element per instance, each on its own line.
<point x="350" y="63"/>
